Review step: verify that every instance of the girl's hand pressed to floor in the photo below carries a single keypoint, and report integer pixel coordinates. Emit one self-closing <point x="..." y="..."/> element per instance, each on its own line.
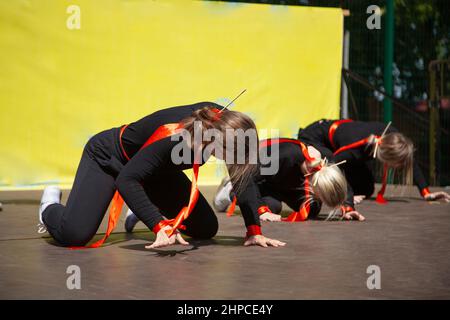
<point x="260" y="240"/>
<point x="353" y="215"/>
<point x="269" y="216"/>
<point x="163" y="240"/>
<point x="440" y="195"/>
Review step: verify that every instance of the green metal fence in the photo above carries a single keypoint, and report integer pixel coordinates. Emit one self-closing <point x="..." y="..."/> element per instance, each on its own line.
<point x="439" y="110"/>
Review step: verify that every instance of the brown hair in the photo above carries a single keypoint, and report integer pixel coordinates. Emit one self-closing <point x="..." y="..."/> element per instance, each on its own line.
<point x="396" y="150"/>
<point x="240" y="174"/>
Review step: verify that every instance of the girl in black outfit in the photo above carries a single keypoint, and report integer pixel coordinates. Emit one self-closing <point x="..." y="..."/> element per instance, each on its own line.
<point x="151" y="184"/>
<point x="359" y="143"/>
<point x="303" y="181"/>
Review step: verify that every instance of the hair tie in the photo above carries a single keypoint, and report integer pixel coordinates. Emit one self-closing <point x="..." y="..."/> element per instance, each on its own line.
<point x="316" y="168"/>
<point x="378" y="139"/>
<point x="322" y="165"/>
<point x="217" y="114"/>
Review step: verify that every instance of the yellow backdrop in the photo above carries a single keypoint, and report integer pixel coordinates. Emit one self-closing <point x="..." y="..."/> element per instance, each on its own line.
<point x="69" y="72"/>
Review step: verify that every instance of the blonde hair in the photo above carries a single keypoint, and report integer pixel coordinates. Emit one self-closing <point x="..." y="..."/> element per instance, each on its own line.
<point x="329" y="184"/>
<point x="240" y="174"/>
<point x="395" y="149"/>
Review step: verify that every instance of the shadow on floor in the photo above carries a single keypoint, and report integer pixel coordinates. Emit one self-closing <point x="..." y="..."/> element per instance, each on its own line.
<point x="194" y="244"/>
<point x="144" y="235"/>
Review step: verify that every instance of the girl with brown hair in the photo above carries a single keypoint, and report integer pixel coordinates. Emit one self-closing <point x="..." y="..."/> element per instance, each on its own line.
<point x="140" y="163"/>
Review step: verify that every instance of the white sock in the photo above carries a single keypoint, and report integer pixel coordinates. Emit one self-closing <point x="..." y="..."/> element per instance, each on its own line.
<point x="51" y="195"/>
<point x="222" y="200"/>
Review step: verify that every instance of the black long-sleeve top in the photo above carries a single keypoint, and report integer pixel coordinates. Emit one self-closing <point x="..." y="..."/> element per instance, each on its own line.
<point x="316" y="135"/>
<point x="154" y="159"/>
<point x="289" y="178"/>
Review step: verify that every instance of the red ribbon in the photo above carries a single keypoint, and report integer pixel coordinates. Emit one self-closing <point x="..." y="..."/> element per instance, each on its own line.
<point x="232" y="206"/>
<point x="186" y="211"/>
<point x="333" y="128"/>
<point x="218" y="114"/>
<point x="263" y="209"/>
<point x="346" y="209"/>
<point x="380" y="196"/>
<point x="424" y="192"/>
<point x="303" y="213"/>
<point x="354" y="145"/>
<point x="253" y="230"/>
<point x="269" y="142"/>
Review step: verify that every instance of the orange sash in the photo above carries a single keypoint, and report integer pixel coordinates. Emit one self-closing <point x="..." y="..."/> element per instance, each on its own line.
<point x="333" y="128"/>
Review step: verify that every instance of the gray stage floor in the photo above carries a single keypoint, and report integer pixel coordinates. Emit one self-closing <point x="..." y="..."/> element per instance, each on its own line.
<point x="409" y="239"/>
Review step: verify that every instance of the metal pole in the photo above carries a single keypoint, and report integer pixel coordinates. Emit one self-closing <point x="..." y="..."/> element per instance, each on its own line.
<point x="432" y="133"/>
<point x="389" y="26"/>
<point x="345" y="62"/>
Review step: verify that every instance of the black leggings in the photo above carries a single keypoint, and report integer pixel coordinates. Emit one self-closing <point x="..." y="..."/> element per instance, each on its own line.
<point x="274" y="199"/>
<point x="76" y="223"/>
<point x="360" y="178"/>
